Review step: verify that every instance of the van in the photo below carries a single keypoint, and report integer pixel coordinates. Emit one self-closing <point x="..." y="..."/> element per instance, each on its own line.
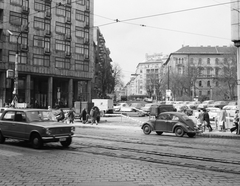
<point x="155" y="110"/>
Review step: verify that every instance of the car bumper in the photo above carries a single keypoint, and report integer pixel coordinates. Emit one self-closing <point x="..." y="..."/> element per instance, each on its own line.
<point x="55" y="138"/>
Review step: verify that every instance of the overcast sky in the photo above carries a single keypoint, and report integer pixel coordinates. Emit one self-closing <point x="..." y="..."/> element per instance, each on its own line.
<point x="177" y="23"/>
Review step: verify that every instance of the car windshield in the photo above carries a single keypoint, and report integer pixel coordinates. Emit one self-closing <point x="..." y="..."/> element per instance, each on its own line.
<point x="40" y="116"/>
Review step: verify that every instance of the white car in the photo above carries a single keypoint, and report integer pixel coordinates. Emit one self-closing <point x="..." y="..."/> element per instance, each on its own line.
<point x="213" y="112"/>
<point x="230" y="109"/>
<point x="205" y="104"/>
<point x="123" y="107"/>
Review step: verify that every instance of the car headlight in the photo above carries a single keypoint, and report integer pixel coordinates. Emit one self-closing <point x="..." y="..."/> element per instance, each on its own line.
<point x="48" y="131"/>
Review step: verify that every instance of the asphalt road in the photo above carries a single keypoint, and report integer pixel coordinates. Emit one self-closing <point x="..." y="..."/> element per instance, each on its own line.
<point x="116" y="152"/>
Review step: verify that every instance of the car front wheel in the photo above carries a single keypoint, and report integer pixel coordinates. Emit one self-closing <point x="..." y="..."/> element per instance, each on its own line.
<point x="2" y="138"/>
<point x="147" y="129"/>
<point x="66" y="143"/>
<point x="36" y="141"/>
<point x="179" y="131"/>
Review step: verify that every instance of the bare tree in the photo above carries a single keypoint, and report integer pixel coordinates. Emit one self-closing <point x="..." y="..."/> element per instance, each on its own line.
<point x="117" y="76"/>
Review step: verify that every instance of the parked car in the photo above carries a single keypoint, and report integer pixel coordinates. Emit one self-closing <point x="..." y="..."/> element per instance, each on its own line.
<point x="205" y="104"/>
<point x="155" y="110"/>
<point x="230" y="109"/>
<point x="123" y="107"/>
<point x="218" y="104"/>
<point x="171" y="122"/>
<point x="213" y="112"/>
<point x="137" y="105"/>
<point x="193" y="104"/>
<point x="38" y="126"/>
<point x="147" y="107"/>
<point x="186" y="109"/>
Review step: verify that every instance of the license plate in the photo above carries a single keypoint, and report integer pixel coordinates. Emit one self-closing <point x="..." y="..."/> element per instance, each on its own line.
<point x="62" y="139"/>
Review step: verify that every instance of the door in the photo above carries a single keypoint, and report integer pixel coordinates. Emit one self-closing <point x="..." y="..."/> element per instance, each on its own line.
<point x="172" y="120"/>
<point x="21" y="126"/>
<point x="7" y="125"/>
<point x="161" y="122"/>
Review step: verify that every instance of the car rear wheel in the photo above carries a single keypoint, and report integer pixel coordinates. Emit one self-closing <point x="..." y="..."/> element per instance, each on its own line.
<point x="2" y="138"/>
<point x="147" y="129"/>
<point x="159" y="133"/>
<point x="179" y="132"/>
<point x="36" y="141"/>
<point x="66" y="143"/>
<point x="191" y="135"/>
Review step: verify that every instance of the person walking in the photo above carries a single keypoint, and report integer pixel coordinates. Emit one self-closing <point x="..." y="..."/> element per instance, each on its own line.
<point x="71" y="115"/>
<point x="60" y="116"/>
<point x="93" y="114"/>
<point x="236" y="122"/>
<point x="207" y="120"/>
<point x="200" y="119"/>
<point x="84" y="115"/>
<point x="222" y="120"/>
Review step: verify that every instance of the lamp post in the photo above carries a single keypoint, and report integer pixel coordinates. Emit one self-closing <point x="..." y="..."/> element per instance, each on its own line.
<point x="15" y="89"/>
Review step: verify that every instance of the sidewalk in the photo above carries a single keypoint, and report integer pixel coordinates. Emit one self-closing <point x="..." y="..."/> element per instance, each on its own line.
<point x="118" y="122"/>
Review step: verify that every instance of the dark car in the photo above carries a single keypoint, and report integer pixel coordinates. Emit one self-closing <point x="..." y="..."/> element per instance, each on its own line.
<point x="171" y="122"/>
<point x="155" y="110"/>
<point x="38" y="126"/>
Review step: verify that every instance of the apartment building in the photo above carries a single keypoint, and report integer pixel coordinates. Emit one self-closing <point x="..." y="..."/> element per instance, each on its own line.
<point x="54" y="42"/>
<point x="211" y="68"/>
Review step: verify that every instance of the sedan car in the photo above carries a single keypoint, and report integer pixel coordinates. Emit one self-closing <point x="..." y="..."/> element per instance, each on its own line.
<point x="171" y="122"/>
<point x="38" y="126"/>
<point x="123" y="107"/>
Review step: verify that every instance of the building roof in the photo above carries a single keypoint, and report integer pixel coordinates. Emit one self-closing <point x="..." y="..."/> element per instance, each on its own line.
<point x="204" y="50"/>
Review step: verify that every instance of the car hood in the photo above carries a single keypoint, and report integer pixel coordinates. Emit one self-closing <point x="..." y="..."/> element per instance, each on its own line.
<point x="51" y="124"/>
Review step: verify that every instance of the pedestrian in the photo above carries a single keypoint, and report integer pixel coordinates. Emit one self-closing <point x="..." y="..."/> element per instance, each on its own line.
<point x="222" y="120"/>
<point x="93" y="114"/>
<point x="207" y="120"/>
<point x="200" y="119"/>
<point x="236" y="122"/>
<point x="60" y="116"/>
<point x="84" y="115"/>
<point x="71" y="115"/>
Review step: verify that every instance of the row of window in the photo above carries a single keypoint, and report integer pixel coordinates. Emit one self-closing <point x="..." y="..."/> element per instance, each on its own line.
<point x="208" y="84"/>
<point x="225" y="61"/>
<point x="44" y="60"/>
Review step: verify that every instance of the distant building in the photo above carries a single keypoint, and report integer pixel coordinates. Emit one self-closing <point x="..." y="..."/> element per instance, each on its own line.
<point x="207" y="67"/>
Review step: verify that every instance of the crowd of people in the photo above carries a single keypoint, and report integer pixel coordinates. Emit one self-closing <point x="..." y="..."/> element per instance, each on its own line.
<point x="221" y="121"/>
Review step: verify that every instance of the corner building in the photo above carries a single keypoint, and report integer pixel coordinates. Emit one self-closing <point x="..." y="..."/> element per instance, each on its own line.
<point x="54" y="39"/>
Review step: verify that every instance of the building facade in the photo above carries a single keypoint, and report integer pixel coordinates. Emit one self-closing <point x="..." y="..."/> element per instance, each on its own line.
<point x="54" y="42"/>
<point x="209" y="68"/>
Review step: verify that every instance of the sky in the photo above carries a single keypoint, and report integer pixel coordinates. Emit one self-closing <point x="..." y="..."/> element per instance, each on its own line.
<point x="168" y="25"/>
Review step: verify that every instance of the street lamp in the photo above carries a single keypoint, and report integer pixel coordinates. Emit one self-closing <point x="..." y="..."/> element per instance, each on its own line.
<point x="15" y="89"/>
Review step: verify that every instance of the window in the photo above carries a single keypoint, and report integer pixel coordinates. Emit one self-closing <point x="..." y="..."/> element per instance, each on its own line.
<point x="225" y="61"/>
<point x="191" y="61"/>
<point x="200" y="61"/>
<point x="47" y="43"/>
<point x="40" y="60"/>
<point x="208" y="83"/>
<point x="62" y="63"/>
<point x="208" y="92"/>
<point x="39" y="5"/>
<point x="60" y="28"/>
<point x="79" y="32"/>
<point x="68" y="12"/>
<point x="9" y="116"/>
<point x="79" y="49"/>
<point x="16" y="2"/>
<point x="68" y="47"/>
<point x="38" y="41"/>
<point x="22" y="57"/>
<point x="82" y="66"/>
<point x="68" y="30"/>
<point x="86" y="51"/>
<point x="81" y="2"/>
<point x="60" y="11"/>
<point x="79" y="15"/>
<point x="60" y="45"/>
<point x="87" y="4"/>
<point x="15" y="18"/>
<point x="216" y="61"/>
<point x="200" y="83"/>
<point x="209" y="71"/>
<point x="23" y="38"/>
<point x="208" y="61"/>
<point x="47" y="25"/>
<point x="39" y="23"/>
<point x="217" y="83"/>
<point x="216" y="71"/>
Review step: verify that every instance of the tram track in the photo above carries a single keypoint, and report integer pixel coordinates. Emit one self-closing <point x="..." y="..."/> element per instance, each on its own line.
<point x="153" y="156"/>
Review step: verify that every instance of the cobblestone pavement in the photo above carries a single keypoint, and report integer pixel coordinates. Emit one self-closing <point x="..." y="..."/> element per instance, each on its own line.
<point x="121" y="155"/>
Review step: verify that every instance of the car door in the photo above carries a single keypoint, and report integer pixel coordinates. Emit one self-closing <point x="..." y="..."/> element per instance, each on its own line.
<point x="7" y="124"/>
<point x="20" y="125"/>
<point x="161" y="122"/>
<point x="172" y="120"/>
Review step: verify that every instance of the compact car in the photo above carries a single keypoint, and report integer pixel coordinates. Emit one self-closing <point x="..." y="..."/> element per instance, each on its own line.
<point x="171" y="122"/>
<point x="38" y="126"/>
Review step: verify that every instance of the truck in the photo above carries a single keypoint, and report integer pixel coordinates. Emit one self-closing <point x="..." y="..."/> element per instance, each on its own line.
<point x="105" y="105"/>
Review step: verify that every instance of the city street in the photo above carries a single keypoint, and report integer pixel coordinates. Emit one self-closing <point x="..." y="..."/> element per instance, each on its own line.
<point x="116" y="152"/>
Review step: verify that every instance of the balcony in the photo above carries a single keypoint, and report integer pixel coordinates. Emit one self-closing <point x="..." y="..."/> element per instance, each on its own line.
<point x="23" y="48"/>
<point x="47" y="51"/>
<point x="25" y="10"/>
<point x="86" y="25"/>
<point x="47" y="15"/>
<point x="47" y="33"/>
<point x="68" y="20"/>
<point x="68" y="37"/>
<point x="68" y="54"/>
<point x="86" y="41"/>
